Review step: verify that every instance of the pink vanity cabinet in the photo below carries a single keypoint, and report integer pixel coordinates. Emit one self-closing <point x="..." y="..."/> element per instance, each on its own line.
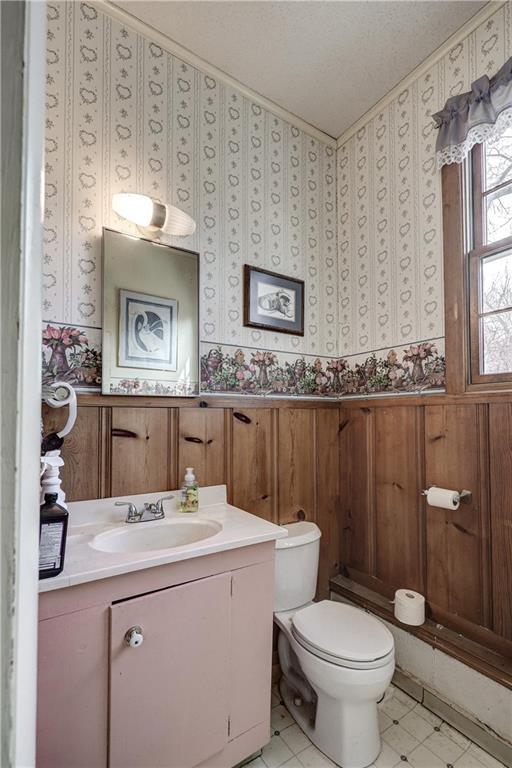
<point x="196" y="692"/>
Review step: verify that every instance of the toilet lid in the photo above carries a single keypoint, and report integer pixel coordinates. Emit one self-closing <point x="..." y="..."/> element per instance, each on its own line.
<point x="342" y="631"/>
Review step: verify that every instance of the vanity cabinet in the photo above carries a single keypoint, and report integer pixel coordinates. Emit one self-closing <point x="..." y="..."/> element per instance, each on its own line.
<point x="177" y="682"/>
<point x="196" y="692"/>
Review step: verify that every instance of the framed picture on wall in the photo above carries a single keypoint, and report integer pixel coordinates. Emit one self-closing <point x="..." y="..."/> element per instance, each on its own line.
<point x="273" y="302"/>
<point x="147" y="331"/>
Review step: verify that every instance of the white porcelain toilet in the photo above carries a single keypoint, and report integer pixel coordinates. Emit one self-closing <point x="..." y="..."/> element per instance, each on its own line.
<point x="336" y="660"/>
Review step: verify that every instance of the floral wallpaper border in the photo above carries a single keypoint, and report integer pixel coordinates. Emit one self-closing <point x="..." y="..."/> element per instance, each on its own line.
<point x="73" y="354"/>
<point x="154" y="387"/>
<point x="416" y="368"/>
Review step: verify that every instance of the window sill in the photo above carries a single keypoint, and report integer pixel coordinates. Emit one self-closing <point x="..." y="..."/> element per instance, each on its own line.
<point x="493" y="665"/>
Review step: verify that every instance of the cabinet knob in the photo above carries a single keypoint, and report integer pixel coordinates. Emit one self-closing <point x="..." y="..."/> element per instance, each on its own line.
<point x="134" y="637"/>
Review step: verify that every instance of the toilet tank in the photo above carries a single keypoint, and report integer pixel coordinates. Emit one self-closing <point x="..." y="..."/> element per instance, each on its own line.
<point x="296" y="566"/>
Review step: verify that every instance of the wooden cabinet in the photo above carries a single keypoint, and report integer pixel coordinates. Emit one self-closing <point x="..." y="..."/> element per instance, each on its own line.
<point x="81" y="474"/>
<point x="297" y="464"/>
<point x="141" y="456"/>
<point x="252" y="473"/>
<point x="195" y="693"/>
<point x="202" y="444"/>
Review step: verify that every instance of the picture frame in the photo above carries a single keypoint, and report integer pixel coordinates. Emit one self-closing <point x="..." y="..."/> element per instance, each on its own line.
<point x="272" y="301"/>
<point x="148" y="331"/>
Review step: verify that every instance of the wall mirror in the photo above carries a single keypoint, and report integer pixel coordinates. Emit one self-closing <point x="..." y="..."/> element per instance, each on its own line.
<point x="150" y="317"/>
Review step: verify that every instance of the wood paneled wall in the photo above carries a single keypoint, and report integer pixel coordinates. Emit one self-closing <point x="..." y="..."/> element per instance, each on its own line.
<point x="356" y="468"/>
<point x="278" y="462"/>
<point x="391" y="538"/>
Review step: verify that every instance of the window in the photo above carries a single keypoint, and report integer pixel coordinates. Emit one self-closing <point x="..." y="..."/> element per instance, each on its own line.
<point x="490" y="262"/>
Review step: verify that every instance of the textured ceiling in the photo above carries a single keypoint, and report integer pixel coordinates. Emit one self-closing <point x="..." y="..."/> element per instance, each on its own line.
<point x="327" y="61"/>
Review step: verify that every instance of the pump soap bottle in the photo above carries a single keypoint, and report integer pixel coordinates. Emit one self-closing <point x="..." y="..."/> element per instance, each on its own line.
<point x="53" y="528"/>
<point x="189" y="493"/>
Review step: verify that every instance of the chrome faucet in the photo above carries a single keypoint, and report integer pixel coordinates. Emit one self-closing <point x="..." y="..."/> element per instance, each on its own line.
<point x="150" y="511"/>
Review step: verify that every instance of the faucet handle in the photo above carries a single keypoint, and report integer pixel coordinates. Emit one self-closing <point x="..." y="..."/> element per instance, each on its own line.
<point x="160" y="503"/>
<point x="133" y="513"/>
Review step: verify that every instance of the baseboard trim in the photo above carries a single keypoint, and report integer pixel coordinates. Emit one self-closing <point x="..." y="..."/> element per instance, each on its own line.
<point x="470" y="728"/>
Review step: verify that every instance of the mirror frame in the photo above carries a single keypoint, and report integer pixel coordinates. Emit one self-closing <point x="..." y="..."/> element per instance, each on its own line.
<point x="144" y="391"/>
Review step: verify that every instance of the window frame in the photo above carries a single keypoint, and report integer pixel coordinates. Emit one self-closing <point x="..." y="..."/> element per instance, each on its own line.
<point x="476" y="212"/>
<point x="463" y="251"/>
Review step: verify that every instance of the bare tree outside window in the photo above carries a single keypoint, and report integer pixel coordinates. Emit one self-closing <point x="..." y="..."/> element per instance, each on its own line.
<point x="497" y="325"/>
<point x="490" y="261"/>
<point x="498" y="184"/>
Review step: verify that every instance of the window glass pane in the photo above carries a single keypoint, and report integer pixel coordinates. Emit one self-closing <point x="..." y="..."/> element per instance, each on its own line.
<point x="498" y="160"/>
<point x="497" y="343"/>
<point x="499" y="214"/>
<point x="497" y="282"/>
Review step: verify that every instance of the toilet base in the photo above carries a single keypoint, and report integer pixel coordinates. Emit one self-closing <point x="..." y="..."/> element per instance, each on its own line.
<point x="326" y="725"/>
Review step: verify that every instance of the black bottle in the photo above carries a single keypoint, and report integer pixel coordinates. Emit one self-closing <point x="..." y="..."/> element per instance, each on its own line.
<point x="53" y="528"/>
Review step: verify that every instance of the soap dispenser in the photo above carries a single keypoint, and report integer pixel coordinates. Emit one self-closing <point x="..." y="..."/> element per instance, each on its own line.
<point x="189" y="501"/>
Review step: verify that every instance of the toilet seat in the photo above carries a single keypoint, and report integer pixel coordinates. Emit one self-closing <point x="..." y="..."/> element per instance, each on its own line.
<point x="343" y="635"/>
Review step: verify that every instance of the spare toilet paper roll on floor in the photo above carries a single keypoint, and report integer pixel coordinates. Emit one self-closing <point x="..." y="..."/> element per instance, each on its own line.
<point x="409" y="607"/>
<point x="442" y="497"/>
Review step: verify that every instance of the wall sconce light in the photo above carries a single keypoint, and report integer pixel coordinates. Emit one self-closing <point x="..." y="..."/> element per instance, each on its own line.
<point x="148" y="213"/>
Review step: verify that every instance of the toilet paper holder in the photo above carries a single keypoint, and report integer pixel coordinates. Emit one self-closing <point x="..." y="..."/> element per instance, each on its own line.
<point x="465" y="496"/>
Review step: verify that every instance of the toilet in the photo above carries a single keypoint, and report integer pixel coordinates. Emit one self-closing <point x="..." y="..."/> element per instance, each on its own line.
<point x="336" y="659"/>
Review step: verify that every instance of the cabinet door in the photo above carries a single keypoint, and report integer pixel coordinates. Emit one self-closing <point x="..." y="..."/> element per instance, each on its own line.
<point x="202" y="444"/>
<point x="140" y="449"/>
<point x="253" y="463"/>
<point x="169" y="696"/>
<point x="81" y="451"/>
<point x="72" y="690"/>
<point x="251" y="646"/>
<point x="297" y="465"/>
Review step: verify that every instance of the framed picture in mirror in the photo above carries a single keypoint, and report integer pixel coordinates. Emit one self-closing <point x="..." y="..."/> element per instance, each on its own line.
<point x="150" y="329"/>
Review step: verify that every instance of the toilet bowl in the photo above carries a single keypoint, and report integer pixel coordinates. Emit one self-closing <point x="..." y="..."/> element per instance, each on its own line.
<point x="336" y="659"/>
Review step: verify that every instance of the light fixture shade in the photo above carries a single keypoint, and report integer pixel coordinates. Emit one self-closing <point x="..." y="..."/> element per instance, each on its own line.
<point x="146" y="212"/>
<point x="179" y="223"/>
<point x="133" y="207"/>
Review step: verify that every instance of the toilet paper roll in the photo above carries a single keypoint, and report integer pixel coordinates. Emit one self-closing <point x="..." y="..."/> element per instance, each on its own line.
<point x="442" y="497"/>
<point x="409" y="607"/>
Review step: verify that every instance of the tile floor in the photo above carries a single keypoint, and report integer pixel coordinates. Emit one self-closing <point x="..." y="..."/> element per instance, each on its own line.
<point x="411" y="735"/>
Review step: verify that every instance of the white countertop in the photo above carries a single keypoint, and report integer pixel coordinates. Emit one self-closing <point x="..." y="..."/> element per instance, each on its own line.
<point x="87" y="519"/>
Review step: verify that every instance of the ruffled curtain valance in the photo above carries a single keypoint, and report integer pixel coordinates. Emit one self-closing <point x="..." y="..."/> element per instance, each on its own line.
<point x="472" y="118"/>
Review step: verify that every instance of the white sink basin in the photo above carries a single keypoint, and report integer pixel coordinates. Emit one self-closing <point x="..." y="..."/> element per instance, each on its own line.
<point x="157" y="535"/>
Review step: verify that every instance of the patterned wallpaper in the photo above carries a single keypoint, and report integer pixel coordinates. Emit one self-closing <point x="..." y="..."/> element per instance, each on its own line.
<point x="389" y="203"/>
<point x="125" y="115"/>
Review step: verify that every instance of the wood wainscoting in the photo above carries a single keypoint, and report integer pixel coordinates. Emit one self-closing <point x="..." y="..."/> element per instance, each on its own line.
<point x="461" y="560"/>
<point x="278" y="458"/>
<point x="355" y="467"/>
